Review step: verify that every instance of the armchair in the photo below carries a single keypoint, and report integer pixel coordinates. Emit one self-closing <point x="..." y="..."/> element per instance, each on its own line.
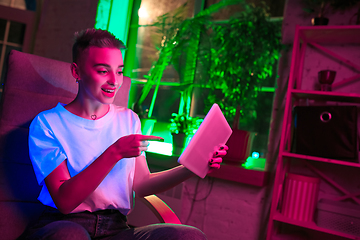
<point x="34" y="84"/>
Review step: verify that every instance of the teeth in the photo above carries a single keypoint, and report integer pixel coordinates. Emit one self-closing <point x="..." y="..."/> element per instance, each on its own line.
<point x="108" y="90"/>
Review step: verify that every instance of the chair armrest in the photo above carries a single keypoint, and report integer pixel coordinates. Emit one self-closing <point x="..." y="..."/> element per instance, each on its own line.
<point x="161" y="210"/>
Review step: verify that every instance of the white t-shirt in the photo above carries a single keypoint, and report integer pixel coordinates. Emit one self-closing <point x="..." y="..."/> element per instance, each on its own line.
<point x="57" y="134"/>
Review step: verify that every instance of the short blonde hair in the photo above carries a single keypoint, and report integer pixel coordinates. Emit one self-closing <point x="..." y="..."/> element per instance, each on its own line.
<point x="94" y="37"/>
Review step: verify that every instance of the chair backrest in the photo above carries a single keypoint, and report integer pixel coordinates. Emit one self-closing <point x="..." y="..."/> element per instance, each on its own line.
<point x="33" y="84"/>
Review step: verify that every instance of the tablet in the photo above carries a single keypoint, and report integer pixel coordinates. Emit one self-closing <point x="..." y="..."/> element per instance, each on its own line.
<point x="213" y="131"/>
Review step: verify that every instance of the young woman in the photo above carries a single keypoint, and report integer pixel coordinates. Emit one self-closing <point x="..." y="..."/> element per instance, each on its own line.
<point x="88" y="155"/>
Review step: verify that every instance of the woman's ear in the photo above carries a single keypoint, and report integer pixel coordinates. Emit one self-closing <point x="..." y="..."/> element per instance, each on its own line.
<point x="75" y="71"/>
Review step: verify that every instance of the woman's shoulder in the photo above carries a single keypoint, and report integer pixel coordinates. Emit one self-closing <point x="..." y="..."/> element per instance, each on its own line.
<point x="49" y="113"/>
<point x="47" y="117"/>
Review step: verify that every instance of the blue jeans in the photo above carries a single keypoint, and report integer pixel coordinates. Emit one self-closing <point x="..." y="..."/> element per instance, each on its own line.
<point x="106" y="225"/>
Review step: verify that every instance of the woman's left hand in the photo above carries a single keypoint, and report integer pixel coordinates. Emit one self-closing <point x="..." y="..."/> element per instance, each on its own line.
<point x="216" y="159"/>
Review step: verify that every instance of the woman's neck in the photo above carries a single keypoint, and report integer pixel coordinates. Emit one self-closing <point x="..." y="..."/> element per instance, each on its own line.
<point x="87" y="111"/>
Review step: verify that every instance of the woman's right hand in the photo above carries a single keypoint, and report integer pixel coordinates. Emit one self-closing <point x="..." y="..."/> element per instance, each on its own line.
<point x="132" y="145"/>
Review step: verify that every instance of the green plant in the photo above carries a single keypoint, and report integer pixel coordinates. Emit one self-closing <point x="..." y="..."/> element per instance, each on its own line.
<point x="234" y="58"/>
<point x="322" y="7"/>
<point x="181" y="123"/>
<point x="178" y="33"/>
<point x="242" y="56"/>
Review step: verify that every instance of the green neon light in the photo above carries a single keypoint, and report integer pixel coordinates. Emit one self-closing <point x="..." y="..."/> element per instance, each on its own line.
<point x="254" y="163"/>
<point x="160" y="148"/>
<point x="119" y="20"/>
<point x="102" y="14"/>
<point x="114" y="16"/>
<point x="165" y="148"/>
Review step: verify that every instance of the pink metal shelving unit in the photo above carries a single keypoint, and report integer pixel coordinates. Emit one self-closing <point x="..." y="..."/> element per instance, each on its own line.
<point x="318" y="37"/>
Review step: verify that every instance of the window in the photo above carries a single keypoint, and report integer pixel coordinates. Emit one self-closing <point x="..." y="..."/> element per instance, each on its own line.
<point x="169" y="91"/>
<point x="16" y="30"/>
<point x="146" y="53"/>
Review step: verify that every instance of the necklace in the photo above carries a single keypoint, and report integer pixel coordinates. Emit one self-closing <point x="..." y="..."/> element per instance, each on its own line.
<point x="94" y="116"/>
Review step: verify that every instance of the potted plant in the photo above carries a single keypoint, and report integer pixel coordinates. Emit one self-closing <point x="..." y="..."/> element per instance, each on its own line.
<point x="320" y="8"/>
<point x="182" y="127"/>
<point x="242" y="58"/>
<point x="243" y="53"/>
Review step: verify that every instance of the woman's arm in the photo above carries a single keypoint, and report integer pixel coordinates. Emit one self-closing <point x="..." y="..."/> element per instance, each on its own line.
<point x="146" y="183"/>
<point x="69" y="192"/>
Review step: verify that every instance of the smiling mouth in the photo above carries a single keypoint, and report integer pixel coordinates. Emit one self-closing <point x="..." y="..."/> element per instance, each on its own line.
<point x="108" y="90"/>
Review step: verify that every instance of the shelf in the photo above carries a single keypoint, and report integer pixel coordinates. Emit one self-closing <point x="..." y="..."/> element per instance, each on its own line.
<point x="319" y="159"/>
<point x="310" y="225"/>
<point x="331" y="34"/>
<point x="326" y="96"/>
<point x="331" y="42"/>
